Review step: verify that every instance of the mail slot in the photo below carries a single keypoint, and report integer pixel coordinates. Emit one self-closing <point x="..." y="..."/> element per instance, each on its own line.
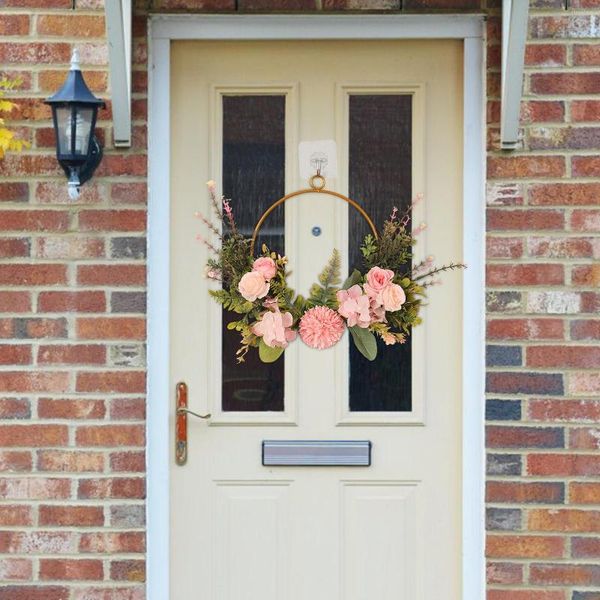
<point x="316" y="453"/>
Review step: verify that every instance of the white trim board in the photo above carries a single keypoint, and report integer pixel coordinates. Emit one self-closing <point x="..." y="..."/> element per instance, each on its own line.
<point x="165" y="28"/>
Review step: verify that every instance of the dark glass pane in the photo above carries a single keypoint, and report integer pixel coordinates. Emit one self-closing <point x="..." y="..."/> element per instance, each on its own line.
<point x="380" y="172"/>
<point x="64" y="129"/>
<point x="253" y="177"/>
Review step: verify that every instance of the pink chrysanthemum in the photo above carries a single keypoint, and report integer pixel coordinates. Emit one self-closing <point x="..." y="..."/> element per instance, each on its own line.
<point x="321" y="327"/>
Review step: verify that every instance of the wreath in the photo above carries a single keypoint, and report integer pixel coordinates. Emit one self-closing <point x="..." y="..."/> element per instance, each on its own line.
<point x="383" y="299"/>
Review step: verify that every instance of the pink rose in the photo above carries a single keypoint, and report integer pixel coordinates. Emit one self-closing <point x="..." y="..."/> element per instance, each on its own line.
<point x="252" y="285"/>
<point x="378" y="279"/>
<point x="354" y="306"/>
<point x="274" y="328"/>
<point x="265" y="266"/>
<point x="393" y="297"/>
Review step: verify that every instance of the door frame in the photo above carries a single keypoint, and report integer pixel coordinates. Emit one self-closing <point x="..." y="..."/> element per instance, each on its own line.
<point x="165" y="28"/>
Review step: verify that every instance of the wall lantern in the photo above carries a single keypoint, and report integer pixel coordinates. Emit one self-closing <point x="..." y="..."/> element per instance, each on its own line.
<point x="74" y="111"/>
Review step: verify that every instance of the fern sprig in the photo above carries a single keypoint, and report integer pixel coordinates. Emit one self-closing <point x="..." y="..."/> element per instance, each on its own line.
<point x="323" y="293"/>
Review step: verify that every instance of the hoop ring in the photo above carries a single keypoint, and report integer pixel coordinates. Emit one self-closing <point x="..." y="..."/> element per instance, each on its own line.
<point x="313" y="189"/>
<point x="313" y="182"/>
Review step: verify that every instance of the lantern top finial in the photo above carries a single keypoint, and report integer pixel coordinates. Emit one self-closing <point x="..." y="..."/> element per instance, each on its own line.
<point x="75" y="90"/>
<point x="75" y="60"/>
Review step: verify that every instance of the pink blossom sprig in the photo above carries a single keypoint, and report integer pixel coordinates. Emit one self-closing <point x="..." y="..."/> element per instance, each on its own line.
<point x="422" y="266"/>
<point x="212" y="186"/>
<point x="429" y="274"/>
<point x="407" y="215"/>
<point x="229" y="214"/>
<point x="204" y="241"/>
<point x="209" y="225"/>
<point x="419" y="229"/>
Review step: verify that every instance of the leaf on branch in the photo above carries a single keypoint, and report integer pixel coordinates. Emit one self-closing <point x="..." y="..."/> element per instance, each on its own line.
<point x="268" y="354"/>
<point x="354" y="278"/>
<point x="365" y="342"/>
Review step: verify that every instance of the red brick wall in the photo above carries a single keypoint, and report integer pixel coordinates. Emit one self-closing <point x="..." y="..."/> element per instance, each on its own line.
<point x="543" y="383"/>
<point x="72" y="322"/>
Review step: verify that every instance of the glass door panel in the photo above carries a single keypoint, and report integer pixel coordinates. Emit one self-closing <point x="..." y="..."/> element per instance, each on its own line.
<point x="253" y="177"/>
<point x="379" y="178"/>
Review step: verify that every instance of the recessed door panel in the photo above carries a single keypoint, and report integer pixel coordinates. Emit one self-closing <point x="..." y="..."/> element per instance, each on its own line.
<point x="250" y="536"/>
<point x="379" y="540"/>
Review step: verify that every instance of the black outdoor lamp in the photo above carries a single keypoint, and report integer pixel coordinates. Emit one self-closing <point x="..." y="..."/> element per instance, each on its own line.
<point x="74" y="111"/>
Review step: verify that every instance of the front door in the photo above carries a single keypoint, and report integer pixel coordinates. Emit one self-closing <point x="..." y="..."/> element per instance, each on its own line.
<point x="384" y="118"/>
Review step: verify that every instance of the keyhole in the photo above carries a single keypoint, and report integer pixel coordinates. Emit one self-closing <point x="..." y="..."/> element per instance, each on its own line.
<point x="316" y="231"/>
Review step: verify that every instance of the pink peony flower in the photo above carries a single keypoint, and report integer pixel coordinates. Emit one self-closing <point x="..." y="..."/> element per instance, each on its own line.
<point x="270" y="303"/>
<point x="321" y="327"/>
<point x="274" y="328"/>
<point x="378" y="279"/>
<point x="253" y="285"/>
<point x="377" y="312"/>
<point x="393" y="297"/>
<point x="354" y="306"/>
<point x="265" y="266"/>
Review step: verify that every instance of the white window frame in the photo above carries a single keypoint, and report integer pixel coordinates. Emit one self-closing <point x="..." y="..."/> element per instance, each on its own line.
<point x="166" y="28"/>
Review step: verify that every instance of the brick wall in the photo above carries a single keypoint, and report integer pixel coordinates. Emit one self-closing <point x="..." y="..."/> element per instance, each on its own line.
<point x="543" y="382"/>
<point x="72" y="323"/>
<point x="72" y="381"/>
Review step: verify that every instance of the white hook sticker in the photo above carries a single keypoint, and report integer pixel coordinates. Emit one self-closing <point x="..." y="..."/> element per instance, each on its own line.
<point x="318" y="155"/>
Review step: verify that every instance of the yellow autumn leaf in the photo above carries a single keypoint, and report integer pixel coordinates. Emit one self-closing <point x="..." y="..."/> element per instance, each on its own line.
<point x="8" y="142"/>
<point x="7" y="106"/>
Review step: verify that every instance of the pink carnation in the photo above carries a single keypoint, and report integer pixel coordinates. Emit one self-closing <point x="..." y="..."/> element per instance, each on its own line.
<point x="265" y="266"/>
<point x="274" y="328"/>
<point x="321" y="327"/>
<point x="354" y="306"/>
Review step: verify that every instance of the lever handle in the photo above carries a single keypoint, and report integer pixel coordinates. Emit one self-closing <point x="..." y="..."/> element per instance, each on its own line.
<point x="181" y="416"/>
<point x="191" y="412"/>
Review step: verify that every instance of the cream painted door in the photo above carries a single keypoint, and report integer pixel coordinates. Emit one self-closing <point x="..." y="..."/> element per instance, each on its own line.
<point x="389" y="531"/>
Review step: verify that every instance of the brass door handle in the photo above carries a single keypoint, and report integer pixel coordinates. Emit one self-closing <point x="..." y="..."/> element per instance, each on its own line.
<point x="191" y="412"/>
<point x="181" y="416"/>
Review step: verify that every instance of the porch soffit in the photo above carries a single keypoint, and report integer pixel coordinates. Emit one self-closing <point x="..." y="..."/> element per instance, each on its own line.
<point x="514" y="34"/>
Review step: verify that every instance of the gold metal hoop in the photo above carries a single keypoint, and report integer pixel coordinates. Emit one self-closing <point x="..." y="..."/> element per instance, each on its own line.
<point x="317" y="185"/>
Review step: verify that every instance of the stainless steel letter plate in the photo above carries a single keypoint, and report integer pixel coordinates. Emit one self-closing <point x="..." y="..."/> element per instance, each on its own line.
<point x="317" y="453"/>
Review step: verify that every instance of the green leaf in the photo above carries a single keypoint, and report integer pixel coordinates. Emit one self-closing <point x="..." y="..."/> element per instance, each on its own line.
<point x="365" y="342"/>
<point x="268" y="354"/>
<point x="354" y="278"/>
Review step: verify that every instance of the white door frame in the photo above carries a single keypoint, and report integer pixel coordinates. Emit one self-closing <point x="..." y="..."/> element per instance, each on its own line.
<point x="164" y="29"/>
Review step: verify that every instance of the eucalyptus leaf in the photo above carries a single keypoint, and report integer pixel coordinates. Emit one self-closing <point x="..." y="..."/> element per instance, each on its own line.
<point x="365" y="342"/>
<point x="354" y="278"/>
<point x="268" y="354"/>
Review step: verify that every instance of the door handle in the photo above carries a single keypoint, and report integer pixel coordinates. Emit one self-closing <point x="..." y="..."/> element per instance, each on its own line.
<point x="181" y="417"/>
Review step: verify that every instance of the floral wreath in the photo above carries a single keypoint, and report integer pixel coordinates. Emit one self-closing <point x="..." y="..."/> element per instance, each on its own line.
<point x="381" y="300"/>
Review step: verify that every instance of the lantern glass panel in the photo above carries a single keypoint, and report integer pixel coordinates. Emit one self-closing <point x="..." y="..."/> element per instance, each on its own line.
<point x="63" y="129"/>
<point x="83" y="127"/>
